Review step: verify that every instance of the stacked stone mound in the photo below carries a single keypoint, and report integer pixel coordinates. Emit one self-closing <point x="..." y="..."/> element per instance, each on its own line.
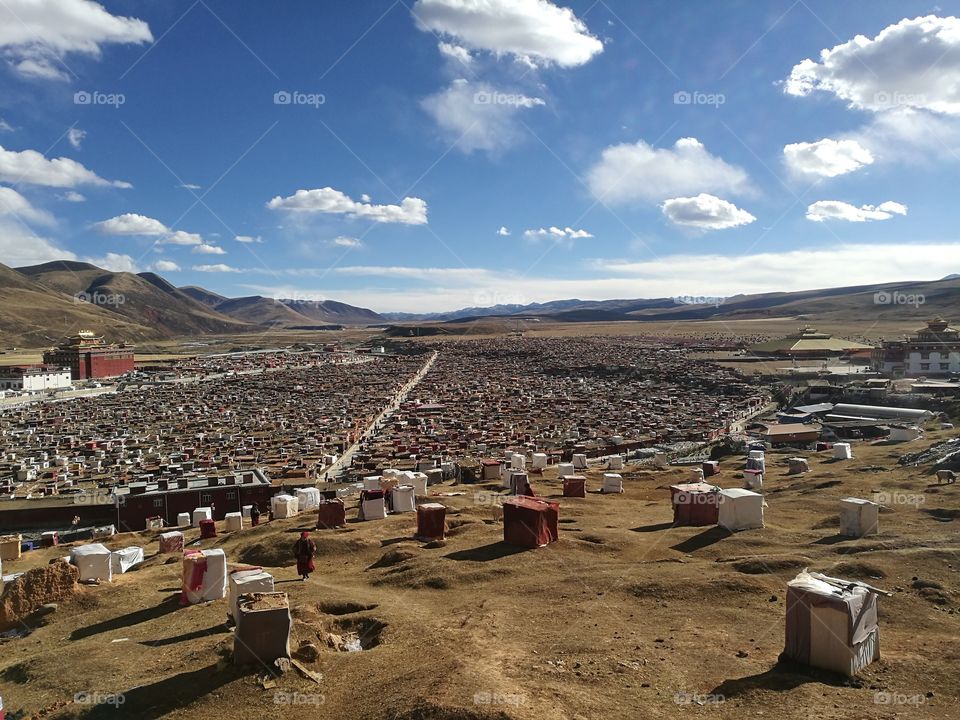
<point x="53" y="583"/>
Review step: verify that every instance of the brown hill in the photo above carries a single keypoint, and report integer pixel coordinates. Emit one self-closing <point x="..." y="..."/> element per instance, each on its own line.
<point x="145" y="299"/>
<point x="35" y="315"/>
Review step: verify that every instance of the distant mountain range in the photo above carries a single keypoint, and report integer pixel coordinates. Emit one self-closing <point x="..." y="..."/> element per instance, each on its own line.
<point x="42" y="303"/>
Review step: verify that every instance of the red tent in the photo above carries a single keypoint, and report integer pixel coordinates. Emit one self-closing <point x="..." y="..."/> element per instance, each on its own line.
<point x="331" y="514"/>
<point x="695" y="504"/>
<point x="431" y="521"/>
<point x="208" y="529"/>
<point x="530" y="522"/>
<point x="575" y="486"/>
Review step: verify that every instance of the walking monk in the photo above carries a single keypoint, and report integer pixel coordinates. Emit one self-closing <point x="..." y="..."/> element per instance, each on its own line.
<point x="304" y="550"/>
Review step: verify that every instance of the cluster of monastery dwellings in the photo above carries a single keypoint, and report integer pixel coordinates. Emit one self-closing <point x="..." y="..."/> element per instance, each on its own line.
<point x="591" y="395"/>
<point x="289" y="416"/>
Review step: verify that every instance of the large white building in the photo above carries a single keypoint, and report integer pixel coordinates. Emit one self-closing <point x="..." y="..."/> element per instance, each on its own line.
<point x="31" y="378"/>
<point x="933" y="350"/>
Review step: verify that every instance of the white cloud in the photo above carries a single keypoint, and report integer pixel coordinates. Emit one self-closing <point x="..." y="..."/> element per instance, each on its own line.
<point x="705" y="212"/>
<point x="631" y="172"/>
<point x="533" y="31"/>
<point x="220" y="267"/>
<point x="410" y="211"/>
<point x="73" y="196"/>
<point x="477" y="116"/>
<point x="839" y="210"/>
<point x="181" y="237"/>
<point x="36" y="35"/>
<point x="248" y="239"/>
<point x="141" y="225"/>
<point x="165" y="266"/>
<point x="556" y="234"/>
<point x="503" y="232"/>
<point x="188" y="186"/>
<point x="32" y="168"/>
<point x="205" y="249"/>
<point x="455" y="53"/>
<point x="417" y="289"/>
<point x="132" y="224"/>
<point x="347" y="242"/>
<point x="5" y="126"/>
<point x="75" y="136"/>
<point x="826" y="157"/>
<point x="20" y="246"/>
<point x="115" y="262"/>
<point x="913" y="63"/>
<point x="14" y="204"/>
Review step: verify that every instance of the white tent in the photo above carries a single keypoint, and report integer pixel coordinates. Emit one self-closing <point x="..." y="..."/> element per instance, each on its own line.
<point x="831" y="623"/>
<point x="204" y="575"/>
<point x="234" y="521"/>
<point x="373" y="509"/>
<point x="612" y="483"/>
<point x="539" y="461"/>
<point x="202" y="513"/>
<point x="284" y="506"/>
<point x="580" y="461"/>
<point x="308" y="498"/>
<point x="419" y="483"/>
<point x="859" y="517"/>
<point x="404" y="499"/>
<point x="123" y="560"/>
<point x="93" y="561"/>
<point x="566" y="469"/>
<point x="183" y="519"/>
<point x="615" y="462"/>
<point x="842" y="451"/>
<point x="372" y="482"/>
<point x="247" y="581"/>
<point x="740" y="509"/>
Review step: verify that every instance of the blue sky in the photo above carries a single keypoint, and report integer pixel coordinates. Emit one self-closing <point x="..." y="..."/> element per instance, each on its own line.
<point x="431" y="155"/>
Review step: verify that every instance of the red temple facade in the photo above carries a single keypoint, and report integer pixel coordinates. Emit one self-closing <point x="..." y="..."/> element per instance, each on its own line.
<point x="89" y="357"/>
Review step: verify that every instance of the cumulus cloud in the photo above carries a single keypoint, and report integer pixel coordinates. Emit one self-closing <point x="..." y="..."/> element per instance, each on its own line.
<point x="165" y="266"/>
<point x="32" y="168"/>
<point x="73" y="196"/>
<point x="536" y="32"/>
<point x="36" y="35"/>
<point x="219" y="267"/>
<point x="248" y="239"/>
<point x="631" y="172"/>
<point x="205" y="249"/>
<point x="13" y="204"/>
<point x="115" y="262"/>
<point x="503" y="232"/>
<point x="556" y="234"/>
<point x="477" y="116"/>
<point x="913" y="63"/>
<point x="21" y="246"/>
<point x="141" y="225"/>
<point x="346" y="242"/>
<point x="826" y="157"/>
<point x="455" y="53"/>
<point x="839" y="210"/>
<point x="410" y="211"/>
<point x="705" y="212"/>
<point x="132" y="224"/>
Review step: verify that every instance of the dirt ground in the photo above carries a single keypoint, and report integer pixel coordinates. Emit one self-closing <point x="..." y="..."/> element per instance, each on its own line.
<point x="624" y="617"/>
